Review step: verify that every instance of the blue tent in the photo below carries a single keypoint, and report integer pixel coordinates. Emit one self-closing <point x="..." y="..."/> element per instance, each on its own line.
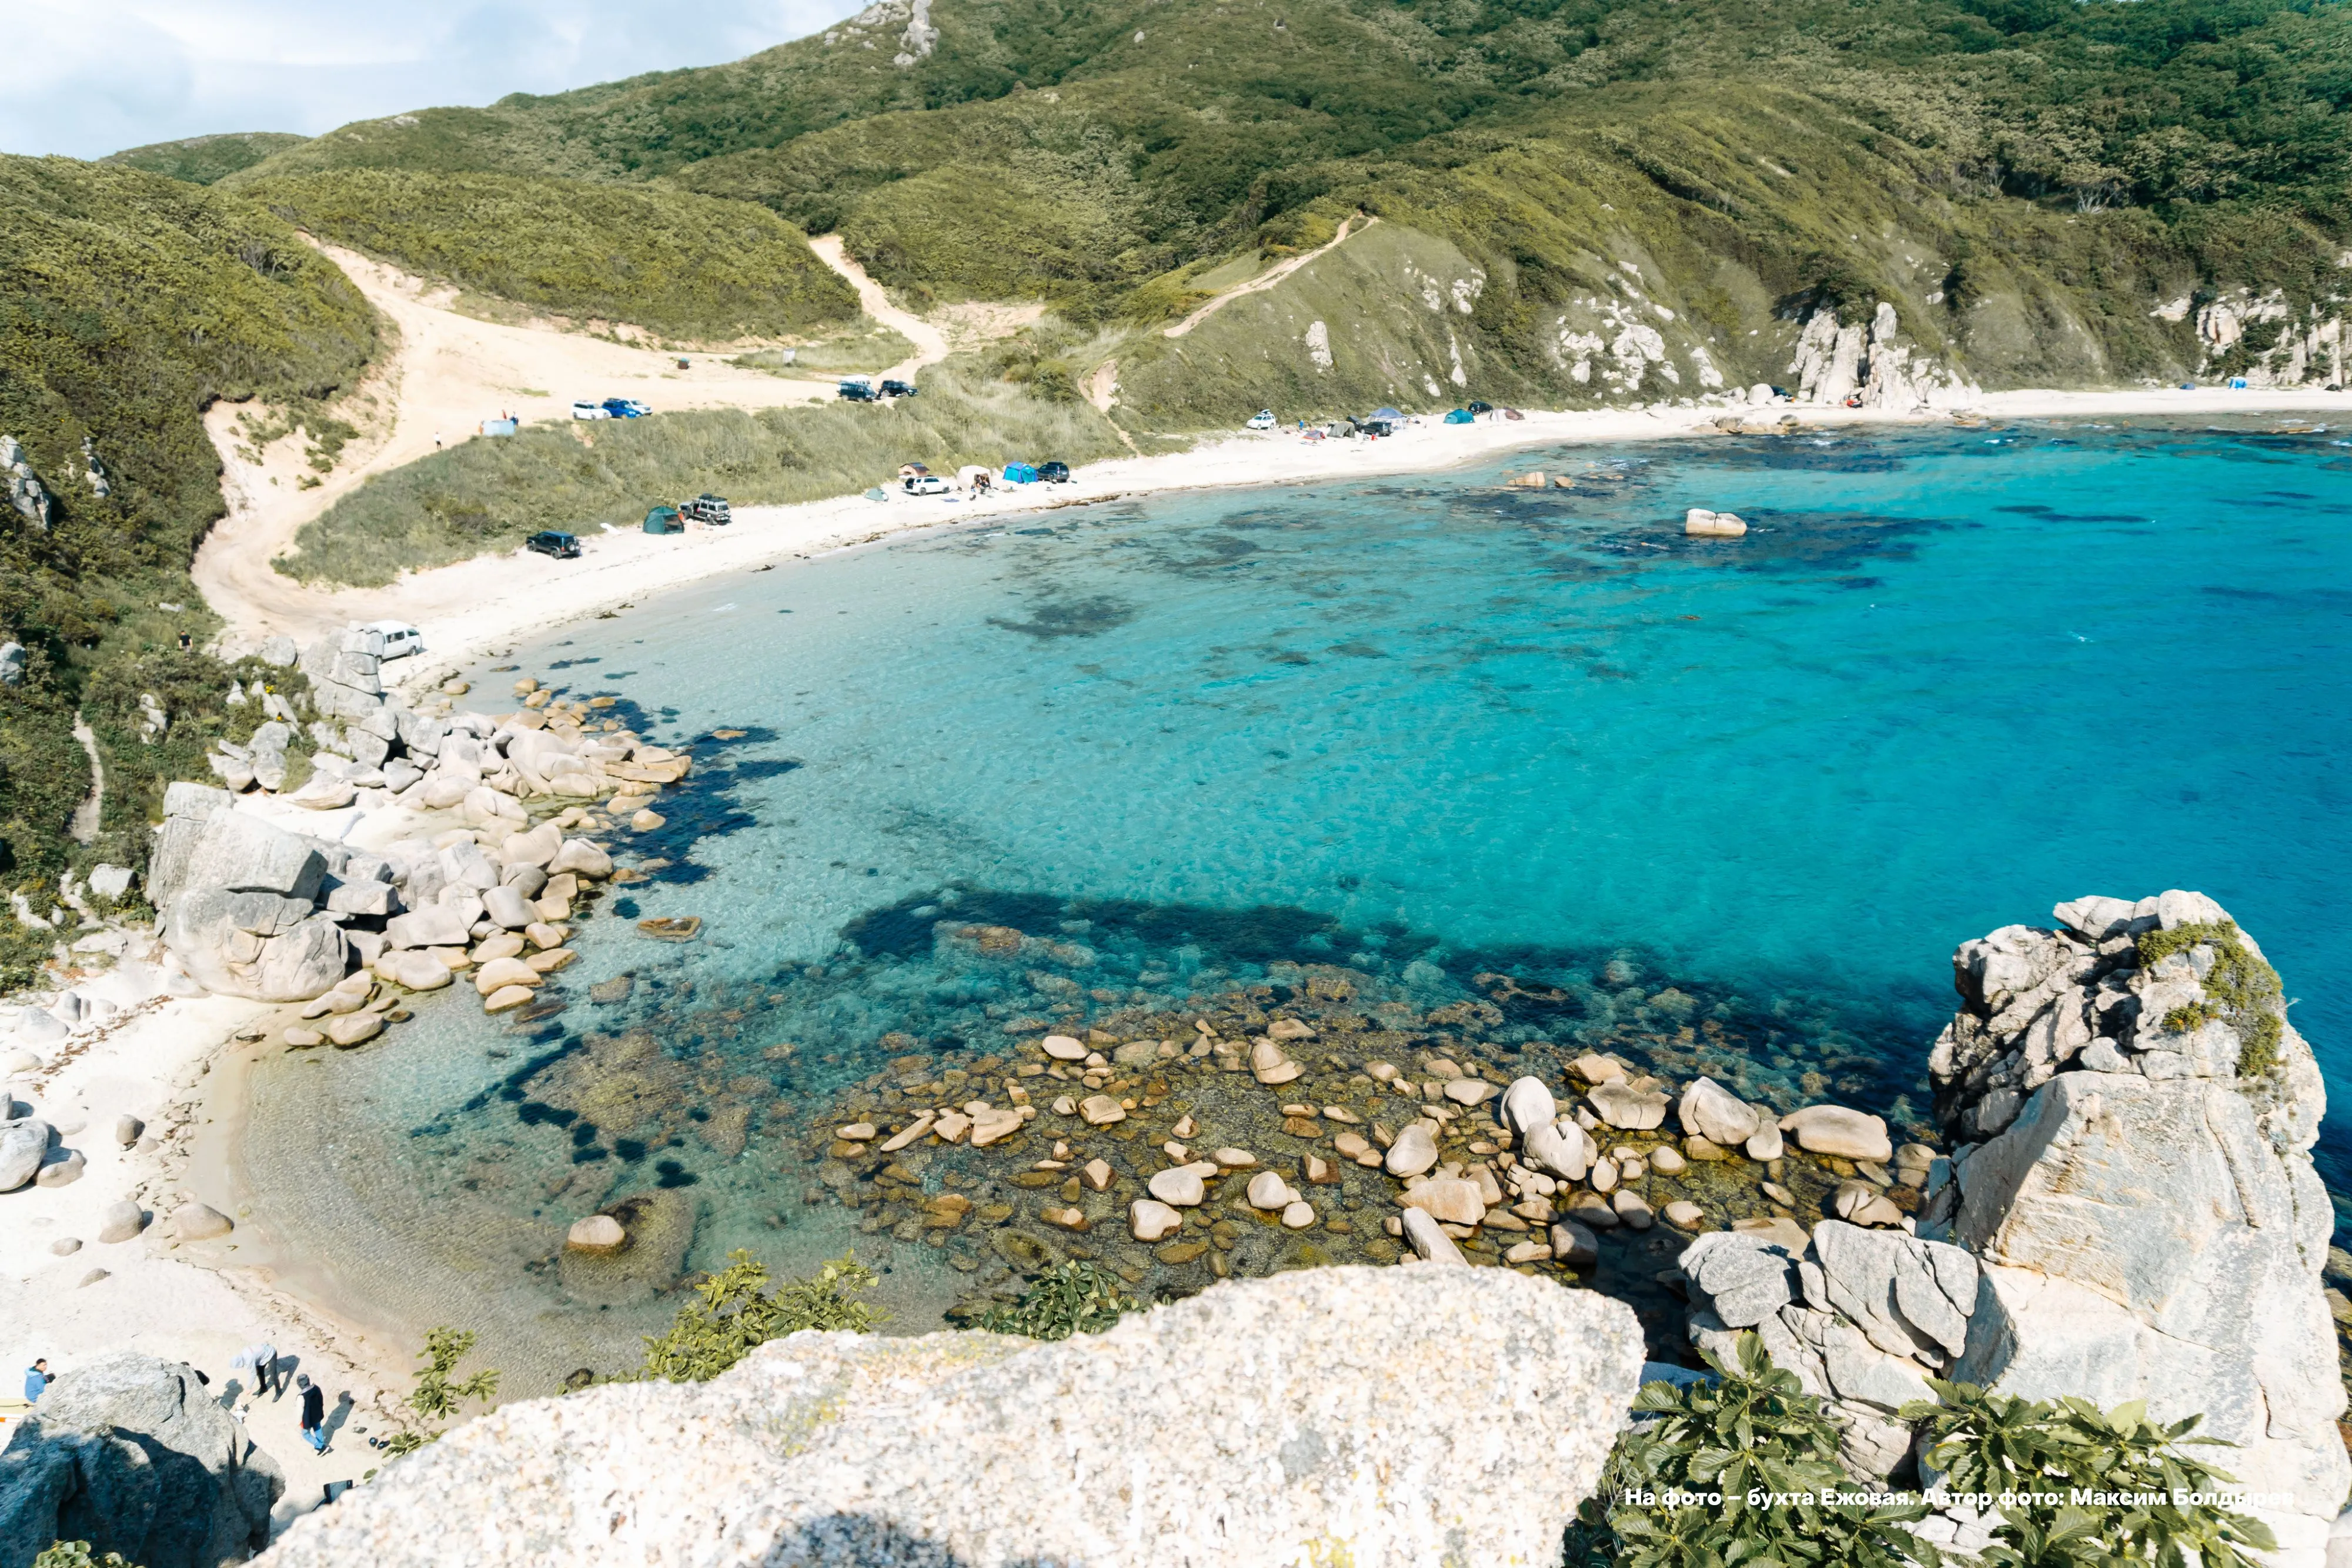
<point x="1460" y="416"/>
<point x="1021" y="473"/>
<point x="664" y="520"/>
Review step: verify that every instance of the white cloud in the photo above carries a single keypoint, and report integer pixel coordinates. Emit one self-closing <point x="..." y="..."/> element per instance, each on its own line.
<point x="93" y="77"/>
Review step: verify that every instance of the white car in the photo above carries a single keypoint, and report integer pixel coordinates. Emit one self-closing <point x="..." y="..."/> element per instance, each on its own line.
<point x="1262" y="420"/>
<point x="590" y="410"/>
<point x="928" y="485"/>
<point x="392" y="639"/>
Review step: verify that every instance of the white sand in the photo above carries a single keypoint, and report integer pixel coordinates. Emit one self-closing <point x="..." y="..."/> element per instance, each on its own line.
<point x="196" y="1302"/>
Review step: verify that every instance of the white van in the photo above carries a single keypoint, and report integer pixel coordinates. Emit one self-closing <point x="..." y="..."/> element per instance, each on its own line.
<point x="392" y="639"/>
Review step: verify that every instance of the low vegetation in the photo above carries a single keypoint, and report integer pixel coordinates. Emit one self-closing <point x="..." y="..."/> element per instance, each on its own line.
<point x="201" y="160"/>
<point x="77" y="1554"/>
<point x="128" y="302"/>
<point x="1071" y="1298"/>
<point x="439" y="1395"/>
<point x="734" y="1313"/>
<point x="686" y="265"/>
<point x="2241" y="990"/>
<point x="1753" y="1431"/>
<point x="490" y="495"/>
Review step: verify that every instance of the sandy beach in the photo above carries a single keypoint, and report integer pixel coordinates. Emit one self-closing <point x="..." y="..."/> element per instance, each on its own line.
<point x="165" y="1061"/>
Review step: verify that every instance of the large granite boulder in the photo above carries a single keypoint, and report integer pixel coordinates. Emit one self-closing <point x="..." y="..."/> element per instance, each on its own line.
<point x="130" y="1454"/>
<point x="257" y="944"/>
<point x="344" y="678"/>
<point x="1404" y="1415"/>
<point x="24" y="1143"/>
<point x="2133" y="1119"/>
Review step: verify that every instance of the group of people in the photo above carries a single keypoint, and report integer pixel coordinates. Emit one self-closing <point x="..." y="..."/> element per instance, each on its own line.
<point x="261" y="1360"/>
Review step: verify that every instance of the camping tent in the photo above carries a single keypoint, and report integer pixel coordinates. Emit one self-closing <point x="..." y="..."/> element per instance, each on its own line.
<point x="1461" y="416"/>
<point x="1021" y="473"/>
<point x="1388" y="415"/>
<point x="972" y="476"/>
<point x="664" y="520"/>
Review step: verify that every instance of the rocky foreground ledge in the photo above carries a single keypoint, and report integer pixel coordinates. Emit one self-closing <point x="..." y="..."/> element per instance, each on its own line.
<point x="1415" y="1415"/>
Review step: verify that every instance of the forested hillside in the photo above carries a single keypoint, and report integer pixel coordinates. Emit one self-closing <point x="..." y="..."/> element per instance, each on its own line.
<point x="128" y="301"/>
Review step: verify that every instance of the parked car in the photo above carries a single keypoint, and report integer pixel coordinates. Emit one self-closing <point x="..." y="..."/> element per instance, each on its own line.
<point x="548" y="541"/>
<point x="857" y="389"/>
<point x="1054" y="473"/>
<point x="708" y="509"/>
<point x="898" y="389"/>
<point x="626" y="408"/>
<point x="927" y="484"/>
<point x="584" y="410"/>
<point x="1481" y="407"/>
<point x="392" y="639"/>
<point x="1262" y="420"/>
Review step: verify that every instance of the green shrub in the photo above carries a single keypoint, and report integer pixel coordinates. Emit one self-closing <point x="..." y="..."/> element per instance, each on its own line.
<point x="1755" y="1430"/>
<point x="201" y="160"/>
<point x="77" y="1554"/>
<point x="683" y="264"/>
<point x="1991" y="1444"/>
<point x="1073" y="1298"/>
<point x="488" y="495"/>
<point x="2241" y="990"/>
<point x="734" y="1314"/>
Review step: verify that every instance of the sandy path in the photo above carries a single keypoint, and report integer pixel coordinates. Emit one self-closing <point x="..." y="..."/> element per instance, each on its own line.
<point x="931" y="344"/>
<point x="1270" y="276"/>
<point x="441" y="376"/>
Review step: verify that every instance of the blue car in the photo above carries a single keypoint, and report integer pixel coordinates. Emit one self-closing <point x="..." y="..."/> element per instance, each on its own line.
<point x="626" y="408"/>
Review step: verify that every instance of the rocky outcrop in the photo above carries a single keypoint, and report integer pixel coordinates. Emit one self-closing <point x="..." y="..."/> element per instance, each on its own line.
<point x="130" y="1454"/>
<point x="2130" y="1212"/>
<point x="1876" y="364"/>
<point x="23" y="491"/>
<point x="1412" y="1414"/>
<point x="2133" y="1118"/>
<point x="2271" y="341"/>
<point x="239" y="901"/>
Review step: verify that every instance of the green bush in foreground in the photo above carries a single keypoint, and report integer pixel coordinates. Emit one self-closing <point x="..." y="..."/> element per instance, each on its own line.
<point x="77" y="1554"/>
<point x="486" y="496"/>
<point x="1074" y="1298"/>
<point x="734" y="1314"/>
<point x="437" y="1395"/>
<point x="1757" y="1431"/>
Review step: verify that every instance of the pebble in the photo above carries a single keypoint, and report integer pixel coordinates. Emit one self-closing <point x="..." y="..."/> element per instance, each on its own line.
<point x="1414" y="1151"/>
<point x="1449" y="1198"/>
<point x="1180" y="1185"/>
<point x="1633" y="1210"/>
<point x="1668" y="1162"/>
<point x="1698" y="1148"/>
<point x="1062" y="1048"/>
<point x="1685" y="1214"/>
<point x="647" y="819"/>
<point x="120" y="1221"/>
<point x="127" y="1130"/>
<point x="1342" y="1116"/>
<point x="1429" y="1238"/>
<point x="1351" y="1144"/>
<point x="1528" y="1252"/>
<point x="1596" y="1070"/>
<point x="1603" y="1175"/>
<point x="199" y="1222"/>
<point x="1149" y="1220"/>
<point x="1234" y="1159"/>
<point x="506" y="998"/>
<point x="1297" y="1215"/>
<point x="1185" y="1127"/>
<point x="1101" y="1110"/>
<point x="61" y="1173"/>
<point x="93" y="1276"/>
<point x="66" y="1246"/>
<point x="1780" y="1195"/>
<point x="1380" y="1071"/>
<point x="855" y="1133"/>
<point x="1765" y="1144"/>
<point x="1096" y="1175"/>
<point x="1268" y="1192"/>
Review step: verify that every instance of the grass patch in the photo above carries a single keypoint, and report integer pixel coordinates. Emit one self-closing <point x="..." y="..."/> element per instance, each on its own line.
<point x="687" y="265"/>
<point x="488" y="495"/>
<point x="873" y="350"/>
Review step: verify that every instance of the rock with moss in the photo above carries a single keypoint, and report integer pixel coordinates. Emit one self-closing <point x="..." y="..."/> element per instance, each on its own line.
<point x="1408" y="1415"/>
<point x="2132" y="1117"/>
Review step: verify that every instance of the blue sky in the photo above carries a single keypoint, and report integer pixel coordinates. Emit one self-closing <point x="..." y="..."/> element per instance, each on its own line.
<point x="92" y="77"/>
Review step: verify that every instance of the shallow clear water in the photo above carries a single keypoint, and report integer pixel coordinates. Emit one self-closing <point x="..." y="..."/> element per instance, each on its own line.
<point x="1427" y="730"/>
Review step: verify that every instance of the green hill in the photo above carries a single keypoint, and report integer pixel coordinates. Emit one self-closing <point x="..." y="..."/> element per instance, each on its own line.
<point x="2042" y="191"/>
<point x="683" y="264"/>
<point x="128" y="302"/>
<point x="201" y="160"/>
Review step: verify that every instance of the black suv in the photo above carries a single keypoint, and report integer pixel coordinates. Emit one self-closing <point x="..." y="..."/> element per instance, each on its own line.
<point x="1054" y="473"/>
<point x="563" y="546"/>
<point x="898" y="389"/>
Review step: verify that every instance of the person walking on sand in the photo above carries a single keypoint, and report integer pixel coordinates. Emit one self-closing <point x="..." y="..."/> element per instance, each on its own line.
<point x="37" y="1380"/>
<point x="263" y="1359"/>
<point x="314" y="1413"/>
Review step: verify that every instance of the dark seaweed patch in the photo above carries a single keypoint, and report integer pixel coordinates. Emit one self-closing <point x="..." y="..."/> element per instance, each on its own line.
<point x="1088" y="617"/>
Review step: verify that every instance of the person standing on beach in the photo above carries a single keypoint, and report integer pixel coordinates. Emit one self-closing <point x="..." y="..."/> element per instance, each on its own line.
<point x="314" y="1413"/>
<point x="37" y="1380"/>
<point x="263" y="1359"/>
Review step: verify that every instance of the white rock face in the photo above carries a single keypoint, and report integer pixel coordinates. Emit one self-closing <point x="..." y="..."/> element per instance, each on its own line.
<point x="1245" y="1428"/>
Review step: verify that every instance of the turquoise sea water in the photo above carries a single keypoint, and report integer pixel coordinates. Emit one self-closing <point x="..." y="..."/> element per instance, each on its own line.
<point x="1431" y="729"/>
